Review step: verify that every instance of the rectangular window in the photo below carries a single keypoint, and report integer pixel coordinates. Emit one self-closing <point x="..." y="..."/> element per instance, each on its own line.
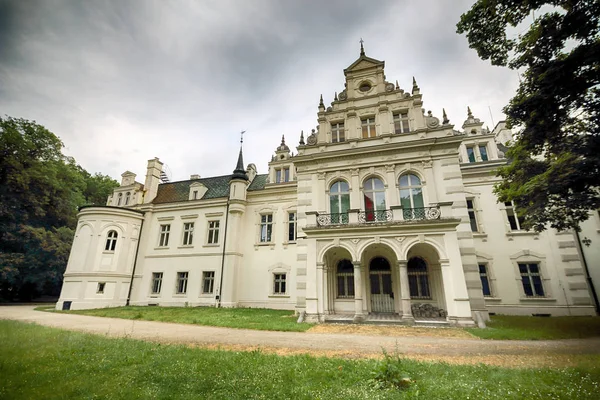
<point x="485" y="280"/>
<point x="156" y="282"/>
<point x="188" y="233"/>
<point x="213" y="232"/>
<point x="195" y="195"/>
<point x="513" y="219"/>
<point x="181" y="284"/>
<point x="471" y="154"/>
<point x="472" y="216"/>
<point x="208" y="282"/>
<point x="164" y="235"/>
<point x="279" y="281"/>
<point x="368" y="127"/>
<point x="100" y="288"/>
<point x="282" y="175"/>
<point x="337" y="132"/>
<point x="291" y="227"/>
<point x="401" y="123"/>
<point x="483" y="153"/>
<point x="532" y="280"/>
<point x="266" y="227"/>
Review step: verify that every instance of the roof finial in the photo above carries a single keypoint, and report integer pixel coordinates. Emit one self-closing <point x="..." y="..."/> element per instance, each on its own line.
<point x="362" y="49"/>
<point x="283" y="140"/>
<point x="302" y="138"/>
<point x="335" y="98"/>
<point x="446" y="120"/>
<point x="242" y="137"/>
<point x="415" y="88"/>
<point x="469" y="113"/>
<point x="321" y="103"/>
<point x="397" y="86"/>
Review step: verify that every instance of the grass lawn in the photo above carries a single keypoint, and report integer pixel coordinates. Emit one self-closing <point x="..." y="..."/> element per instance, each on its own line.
<point x="247" y="318"/>
<point x="47" y="363"/>
<point x="511" y="327"/>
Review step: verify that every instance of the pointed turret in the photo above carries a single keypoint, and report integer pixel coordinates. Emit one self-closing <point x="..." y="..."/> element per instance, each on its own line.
<point x="302" y="138"/>
<point x="415" y="88"/>
<point x="472" y="125"/>
<point x="445" y="117"/>
<point x="321" y="105"/>
<point x="362" y="48"/>
<point x="240" y="172"/>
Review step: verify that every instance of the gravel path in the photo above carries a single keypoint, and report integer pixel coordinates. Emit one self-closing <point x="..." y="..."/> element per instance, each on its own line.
<point x="315" y="343"/>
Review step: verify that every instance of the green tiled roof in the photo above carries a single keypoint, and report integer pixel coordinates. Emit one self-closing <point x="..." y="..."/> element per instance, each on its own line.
<point x="173" y="192"/>
<point x="258" y="183"/>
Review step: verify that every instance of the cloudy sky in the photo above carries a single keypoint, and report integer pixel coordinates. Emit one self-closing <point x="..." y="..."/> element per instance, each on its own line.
<point x="121" y="82"/>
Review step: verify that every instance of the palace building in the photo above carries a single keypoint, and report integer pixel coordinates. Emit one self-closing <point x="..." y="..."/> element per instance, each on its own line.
<point x="385" y="212"/>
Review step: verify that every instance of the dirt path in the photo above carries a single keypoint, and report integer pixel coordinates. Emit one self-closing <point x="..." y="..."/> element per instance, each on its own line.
<point x="507" y="353"/>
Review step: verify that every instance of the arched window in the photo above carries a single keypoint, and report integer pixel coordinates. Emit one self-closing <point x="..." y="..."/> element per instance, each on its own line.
<point x="120" y="198"/>
<point x="111" y="241"/>
<point x="418" y="279"/>
<point x="127" y="196"/>
<point x="411" y="196"/>
<point x="374" y="195"/>
<point x="345" y="279"/>
<point x="339" y="202"/>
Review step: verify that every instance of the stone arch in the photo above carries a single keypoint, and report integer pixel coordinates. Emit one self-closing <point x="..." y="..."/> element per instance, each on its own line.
<point x="395" y="248"/>
<point x="336" y="178"/>
<point x="374" y="174"/>
<point x="414" y="171"/>
<point x="112" y="226"/>
<point x="330" y="248"/>
<point x="426" y="286"/>
<point x="441" y="252"/>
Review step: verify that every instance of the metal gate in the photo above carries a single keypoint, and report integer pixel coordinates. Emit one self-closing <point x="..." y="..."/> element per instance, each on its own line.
<point x="382" y="297"/>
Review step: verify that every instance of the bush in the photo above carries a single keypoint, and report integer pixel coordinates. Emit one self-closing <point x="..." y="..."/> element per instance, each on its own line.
<point x="388" y="373"/>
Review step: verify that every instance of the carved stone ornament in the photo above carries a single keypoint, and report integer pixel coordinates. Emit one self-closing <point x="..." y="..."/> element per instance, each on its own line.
<point x="355" y="241"/>
<point x="389" y="87"/>
<point x="342" y="96"/>
<point x="400" y="238"/>
<point x="312" y="139"/>
<point x="432" y="122"/>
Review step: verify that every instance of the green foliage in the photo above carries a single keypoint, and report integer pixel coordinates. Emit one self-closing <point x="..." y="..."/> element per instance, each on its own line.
<point x="389" y="373"/>
<point x="246" y="318"/>
<point x="47" y="363"/>
<point x="40" y="191"/>
<point x="555" y="160"/>
<point x="512" y="327"/>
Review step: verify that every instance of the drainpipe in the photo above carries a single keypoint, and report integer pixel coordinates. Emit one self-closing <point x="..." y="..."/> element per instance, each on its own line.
<point x="587" y="273"/>
<point x="137" y="250"/>
<point x="223" y="256"/>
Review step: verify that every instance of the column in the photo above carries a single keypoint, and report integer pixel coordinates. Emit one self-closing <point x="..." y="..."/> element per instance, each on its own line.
<point x="359" y="316"/>
<point x="326" y="290"/>
<point x="320" y="288"/>
<point x="405" y="292"/>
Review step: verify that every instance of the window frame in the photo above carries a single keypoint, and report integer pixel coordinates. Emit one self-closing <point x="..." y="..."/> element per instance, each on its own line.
<point x="100" y="287"/>
<point x="485" y="152"/>
<point x="400" y="119"/>
<point x="485" y="274"/>
<point x="120" y="199"/>
<point x="510" y="210"/>
<point x="181" y="281"/>
<point x="338" y="132"/>
<point x="164" y="233"/>
<point x="188" y="234"/>
<point x="420" y="277"/>
<point x="471" y="155"/>
<point x="111" y="241"/>
<point x="282" y="175"/>
<point x="156" y="281"/>
<point x="213" y="227"/>
<point x="279" y="281"/>
<point x="472" y="212"/>
<point x="267" y="226"/>
<point x="368" y="127"/>
<point x="346" y="277"/>
<point x="292" y="226"/>
<point x="208" y="277"/>
<point x="530" y="278"/>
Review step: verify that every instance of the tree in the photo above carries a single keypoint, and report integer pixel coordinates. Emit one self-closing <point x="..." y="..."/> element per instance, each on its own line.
<point x="40" y="192"/>
<point x="554" y="173"/>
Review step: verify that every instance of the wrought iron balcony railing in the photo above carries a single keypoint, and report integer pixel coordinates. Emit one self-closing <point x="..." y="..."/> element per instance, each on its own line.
<point x="332" y="219"/>
<point x="421" y="213"/>
<point x="365" y="217"/>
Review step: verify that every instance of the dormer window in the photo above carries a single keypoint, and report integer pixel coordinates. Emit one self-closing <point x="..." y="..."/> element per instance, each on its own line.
<point x="120" y="199"/>
<point x="365" y="87"/>
<point x="127" y="197"/>
<point x="337" y="132"/>
<point x="197" y="190"/>
<point x="483" y="152"/>
<point x="282" y="175"/>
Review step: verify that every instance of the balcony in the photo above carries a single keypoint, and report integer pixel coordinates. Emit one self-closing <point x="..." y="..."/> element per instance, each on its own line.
<point x="395" y="214"/>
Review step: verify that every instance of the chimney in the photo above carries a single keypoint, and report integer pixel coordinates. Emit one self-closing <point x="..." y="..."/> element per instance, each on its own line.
<point x="152" y="179"/>
<point x="194" y="176"/>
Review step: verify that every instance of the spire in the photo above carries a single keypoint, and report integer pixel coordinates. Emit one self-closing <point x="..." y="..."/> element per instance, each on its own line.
<point x="446" y="120"/>
<point x="283" y="140"/>
<point x="321" y="105"/>
<point x="415" y="88"/>
<point x="362" y="49"/>
<point x="335" y="98"/>
<point x="302" y="138"/>
<point x="239" y="172"/>
<point x="469" y="113"/>
<point x="397" y="86"/>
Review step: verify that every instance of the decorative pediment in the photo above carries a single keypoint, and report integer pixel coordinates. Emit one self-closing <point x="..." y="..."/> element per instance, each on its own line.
<point x="362" y="63"/>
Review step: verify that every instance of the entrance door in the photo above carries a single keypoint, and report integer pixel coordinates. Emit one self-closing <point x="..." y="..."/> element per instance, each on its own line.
<point x="380" y="279"/>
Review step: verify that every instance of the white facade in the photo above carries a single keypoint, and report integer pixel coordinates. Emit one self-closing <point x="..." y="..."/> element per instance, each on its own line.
<point x="384" y="209"/>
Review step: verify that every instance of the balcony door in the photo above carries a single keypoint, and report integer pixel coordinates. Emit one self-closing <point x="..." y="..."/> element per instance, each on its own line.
<point x="374" y="196"/>
<point x="339" y="202"/>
